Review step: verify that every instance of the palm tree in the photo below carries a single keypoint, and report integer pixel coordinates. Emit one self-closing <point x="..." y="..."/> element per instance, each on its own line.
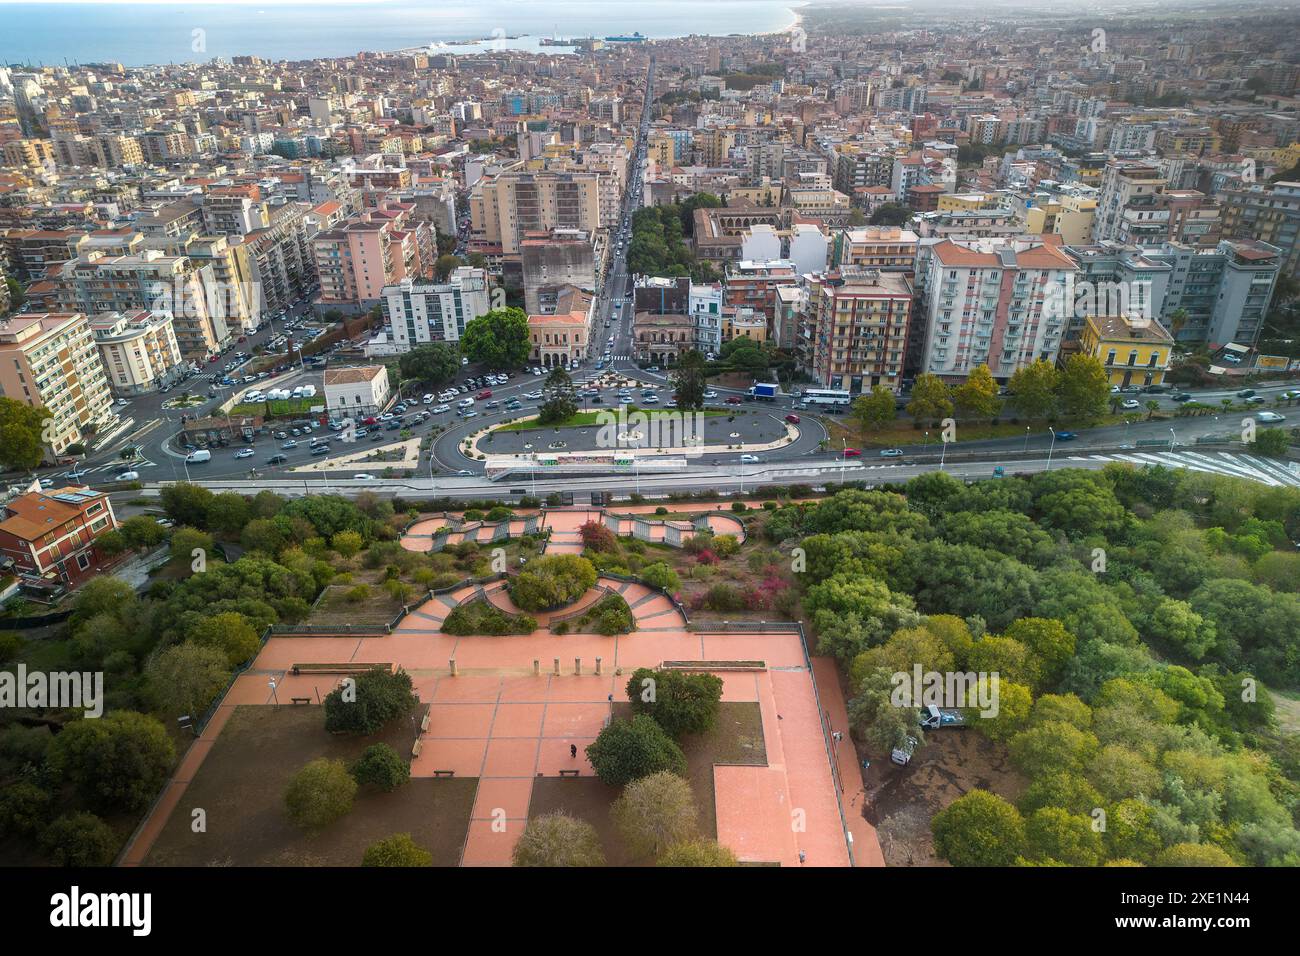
<point x="1152" y="407"/>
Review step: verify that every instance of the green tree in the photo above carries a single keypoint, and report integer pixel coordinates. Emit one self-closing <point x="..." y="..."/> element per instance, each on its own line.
<point x="320" y="793"/>
<point x="977" y="397"/>
<point x="228" y="513"/>
<point x="79" y="840"/>
<point x="141" y="531"/>
<point x="434" y="363"/>
<point x="229" y="632"/>
<point x="552" y="581"/>
<point x="117" y="762"/>
<point x="680" y="702"/>
<point x="626" y="750"/>
<point x="655" y="812"/>
<point x="1052" y="746"/>
<point x="22" y="443"/>
<point x="876" y="720"/>
<point x="1034" y="389"/>
<point x="1054" y="834"/>
<point x="698" y="853"/>
<point x="373" y="699"/>
<point x="24" y="808"/>
<point x="381" y="767"/>
<point x="979" y="829"/>
<point x="660" y="575"/>
<point x="559" y="403"/>
<point x="557" y="839"/>
<point x="875" y="409"/>
<point x="1084" y="387"/>
<point x="1272" y="442"/>
<point x="1193" y="854"/>
<point x="890" y="214"/>
<point x="397" y="850"/>
<point x="498" y="339"/>
<point x="689" y="380"/>
<point x="931" y="398"/>
<point x="186" y="678"/>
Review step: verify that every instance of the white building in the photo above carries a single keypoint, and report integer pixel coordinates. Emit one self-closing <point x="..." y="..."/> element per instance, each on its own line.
<point x="760" y="243"/>
<point x="809" y="248"/>
<point x="139" y="350"/>
<point x="416" y="313"/>
<point x="356" y="392"/>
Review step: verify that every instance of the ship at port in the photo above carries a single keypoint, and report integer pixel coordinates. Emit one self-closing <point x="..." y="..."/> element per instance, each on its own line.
<point x="634" y="38"/>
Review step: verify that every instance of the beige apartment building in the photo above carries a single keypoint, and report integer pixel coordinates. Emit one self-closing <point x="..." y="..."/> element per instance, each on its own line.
<point x="379" y="247"/>
<point x="49" y="360"/>
<point x="505" y="208"/>
<point x="138" y="350"/>
<point x="876" y="247"/>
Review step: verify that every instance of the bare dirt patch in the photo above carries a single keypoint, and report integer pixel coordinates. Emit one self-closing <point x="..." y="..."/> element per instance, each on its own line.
<point x="241" y="787"/>
<point x="901" y="801"/>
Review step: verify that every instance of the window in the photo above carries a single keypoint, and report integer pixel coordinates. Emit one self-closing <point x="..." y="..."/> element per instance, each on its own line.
<point x="83" y="562"/>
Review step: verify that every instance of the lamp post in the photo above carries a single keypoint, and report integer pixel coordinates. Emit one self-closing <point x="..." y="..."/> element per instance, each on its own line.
<point x="943" y="451"/>
<point x="1173" y="438"/>
<point x="1026" y="448"/>
<point x="843" y="456"/>
<point x="1050" y="447"/>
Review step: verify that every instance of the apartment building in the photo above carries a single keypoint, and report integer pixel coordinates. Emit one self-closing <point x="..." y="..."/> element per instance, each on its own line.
<point x="138" y="350"/>
<point x="377" y="248"/>
<point x="994" y="302"/>
<point x="1266" y="213"/>
<point x="49" y="360"/>
<point x="417" y="312"/>
<point x="856" y="328"/>
<point x="507" y="207"/>
<point x="889" y="248"/>
<point x="1128" y="201"/>
<point x="553" y="258"/>
<point x="148" y="281"/>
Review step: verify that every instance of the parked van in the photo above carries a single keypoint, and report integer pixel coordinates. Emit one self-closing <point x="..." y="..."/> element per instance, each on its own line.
<point x="901" y="755"/>
<point x="195" y="457"/>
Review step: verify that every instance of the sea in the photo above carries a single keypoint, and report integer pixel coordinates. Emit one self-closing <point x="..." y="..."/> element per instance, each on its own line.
<point x="146" y="32"/>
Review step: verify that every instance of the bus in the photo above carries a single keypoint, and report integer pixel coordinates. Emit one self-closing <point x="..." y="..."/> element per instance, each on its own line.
<point x="834" y="397"/>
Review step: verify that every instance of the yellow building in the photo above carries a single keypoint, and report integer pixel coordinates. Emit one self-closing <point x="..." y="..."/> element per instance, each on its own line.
<point x="744" y="323"/>
<point x="969" y="202"/>
<point x="1134" y="352"/>
<point x="1068" y="216"/>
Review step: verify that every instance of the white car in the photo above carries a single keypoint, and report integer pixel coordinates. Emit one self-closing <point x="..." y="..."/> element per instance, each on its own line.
<point x="122" y="401"/>
<point x="244" y="453"/>
<point x="750" y="459"/>
<point x="710" y="394"/>
<point x="1270" y="417"/>
<point x="1131" y="403"/>
<point x="363" y="477"/>
<point x="428" y="399"/>
<point x="465" y="403"/>
<point x="128" y="476"/>
<point x="532" y="396"/>
<point x="439" y="409"/>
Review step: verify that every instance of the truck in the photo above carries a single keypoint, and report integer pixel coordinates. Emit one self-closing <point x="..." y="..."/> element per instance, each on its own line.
<point x="933" y="718"/>
<point x="902" y="755"/>
<point x="764" y="391"/>
<point x="195" y="457"/>
<point x="309" y="391"/>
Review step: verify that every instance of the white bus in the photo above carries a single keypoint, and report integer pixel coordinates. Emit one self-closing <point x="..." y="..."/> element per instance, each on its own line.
<point x="826" y="396"/>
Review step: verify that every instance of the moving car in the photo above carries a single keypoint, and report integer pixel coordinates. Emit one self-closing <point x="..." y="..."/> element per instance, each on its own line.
<point x="1131" y="403"/>
<point x="128" y="476"/>
<point x="244" y="453"/>
<point x="439" y="409"/>
<point x="1270" y="417"/>
<point x="852" y="453"/>
<point x="1066" y="436"/>
<point x="291" y="443"/>
<point x="891" y="453"/>
<point x="201" y="455"/>
<point x="364" y="476"/>
<point x="750" y="459"/>
<point x="277" y="459"/>
<point x="733" y="399"/>
<point x="792" y="419"/>
<point x="486" y="393"/>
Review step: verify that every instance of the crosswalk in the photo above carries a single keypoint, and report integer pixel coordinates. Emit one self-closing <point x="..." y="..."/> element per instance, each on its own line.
<point x="1266" y="471"/>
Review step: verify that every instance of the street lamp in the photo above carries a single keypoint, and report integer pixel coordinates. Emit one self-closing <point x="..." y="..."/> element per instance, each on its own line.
<point x="1050" y="447"/>
<point x="1026" y="449"/>
<point x="843" y="457"/>
<point x="942" y="452"/>
<point x="1172" y="439"/>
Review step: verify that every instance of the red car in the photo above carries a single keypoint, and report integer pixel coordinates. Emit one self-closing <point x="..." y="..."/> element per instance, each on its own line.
<point x="852" y="453"/>
<point x="370" y="421"/>
<point x="733" y="399"/>
<point x="792" y="419"/>
<point x="486" y="393"/>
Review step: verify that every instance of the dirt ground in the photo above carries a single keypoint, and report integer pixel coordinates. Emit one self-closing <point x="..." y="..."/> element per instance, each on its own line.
<point x="902" y="800"/>
<point x="241" y="786"/>
<point x="736" y="739"/>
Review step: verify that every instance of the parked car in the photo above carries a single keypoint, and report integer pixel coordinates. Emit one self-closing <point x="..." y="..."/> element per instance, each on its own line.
<point x="291" y="443"/>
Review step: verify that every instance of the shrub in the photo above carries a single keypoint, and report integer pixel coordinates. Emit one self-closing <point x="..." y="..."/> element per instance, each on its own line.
<point x="627" y="750"/>
<point x="698" y="853"/>
<point x="655" y="812"/>
<point x="78" y="840"/>
<point x="480" y="617"/>
<point x="397" y="850"/>
<point x="24" y="808"/>
<point x="552" y="582"/>
<point x="660" y="575"/>
<point x="381" y="767"/>
<point x="725" y="545"/>
<point x="724" y="597"/>
<point x="374" y="697"/>
<point x="319" y="793"/>
<point x="357" y="594"/>
<point x="557" y="839"/>
<point x="739" y="506"/>
<point x="706" y="557"/>
<point x="597" y="537"/>
<point x="609" y="616"/>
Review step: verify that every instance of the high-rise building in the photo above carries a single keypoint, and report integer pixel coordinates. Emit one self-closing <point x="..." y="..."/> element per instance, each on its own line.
<point x="857" y="320"/>
<point x="418" y="312"/>
<point x="49" y="360"/>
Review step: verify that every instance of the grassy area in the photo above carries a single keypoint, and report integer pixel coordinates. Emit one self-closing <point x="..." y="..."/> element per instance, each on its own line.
<point x="902" y="433"/>
<point x="280" y="408"/>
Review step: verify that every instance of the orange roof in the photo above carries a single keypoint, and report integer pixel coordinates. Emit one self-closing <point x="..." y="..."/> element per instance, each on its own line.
<point x="38" y="513"/>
